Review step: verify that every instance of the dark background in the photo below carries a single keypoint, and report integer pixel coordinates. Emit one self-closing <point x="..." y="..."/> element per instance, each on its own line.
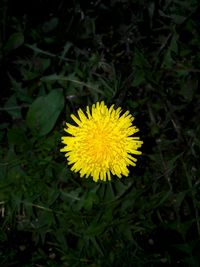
<point x="58" y="56"/>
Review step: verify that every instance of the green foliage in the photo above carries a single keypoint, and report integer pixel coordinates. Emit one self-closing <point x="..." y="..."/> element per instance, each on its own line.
<point x="141" y="55"/>
<point x="44" y="111"/>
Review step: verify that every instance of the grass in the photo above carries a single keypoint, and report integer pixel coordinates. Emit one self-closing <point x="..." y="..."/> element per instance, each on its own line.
<point x="143" y="56"/>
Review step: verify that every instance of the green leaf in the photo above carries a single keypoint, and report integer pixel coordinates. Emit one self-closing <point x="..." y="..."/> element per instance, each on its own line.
<point x="15" y="40"/>
<point x="172" y="50"/>
<point x="16" y="136"/>
<point x="95" y="228"/>
<point x="70" y="78"/>
<point x="50" y="25"/>
<point x="139" y="77"/>
<point x="188" y="88"/>
<point x="140" y="60"/>
<point x="12" y="107"/>
<point x="44" y="111"/>
<point x="187" y="247"/>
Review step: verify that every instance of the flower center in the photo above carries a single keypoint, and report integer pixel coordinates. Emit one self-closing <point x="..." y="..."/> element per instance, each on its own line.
<point x="100" y="140"/>
<point x="99" y="144"/>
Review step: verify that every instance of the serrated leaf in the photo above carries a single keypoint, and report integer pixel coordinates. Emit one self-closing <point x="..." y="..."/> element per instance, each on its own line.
<point x="44" y="111"/>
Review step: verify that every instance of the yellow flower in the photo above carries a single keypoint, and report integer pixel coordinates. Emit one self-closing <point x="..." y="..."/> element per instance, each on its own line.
<point x="101" y="143"/>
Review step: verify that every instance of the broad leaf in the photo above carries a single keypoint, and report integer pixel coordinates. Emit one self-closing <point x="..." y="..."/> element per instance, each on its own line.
<point x="44" y="111"/>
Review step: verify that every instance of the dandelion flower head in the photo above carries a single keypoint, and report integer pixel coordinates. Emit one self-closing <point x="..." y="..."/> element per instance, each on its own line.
<point x="102" y="142"/>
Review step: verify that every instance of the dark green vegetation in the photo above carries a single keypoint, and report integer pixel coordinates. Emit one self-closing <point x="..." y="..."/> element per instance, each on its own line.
<point x="57" y="56"/>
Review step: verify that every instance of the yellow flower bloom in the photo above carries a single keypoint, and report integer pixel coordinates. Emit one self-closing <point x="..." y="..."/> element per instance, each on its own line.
<point x="101" y="143"/>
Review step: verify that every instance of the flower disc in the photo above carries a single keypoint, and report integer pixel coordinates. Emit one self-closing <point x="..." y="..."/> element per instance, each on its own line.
<point x="102" y="142"/>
